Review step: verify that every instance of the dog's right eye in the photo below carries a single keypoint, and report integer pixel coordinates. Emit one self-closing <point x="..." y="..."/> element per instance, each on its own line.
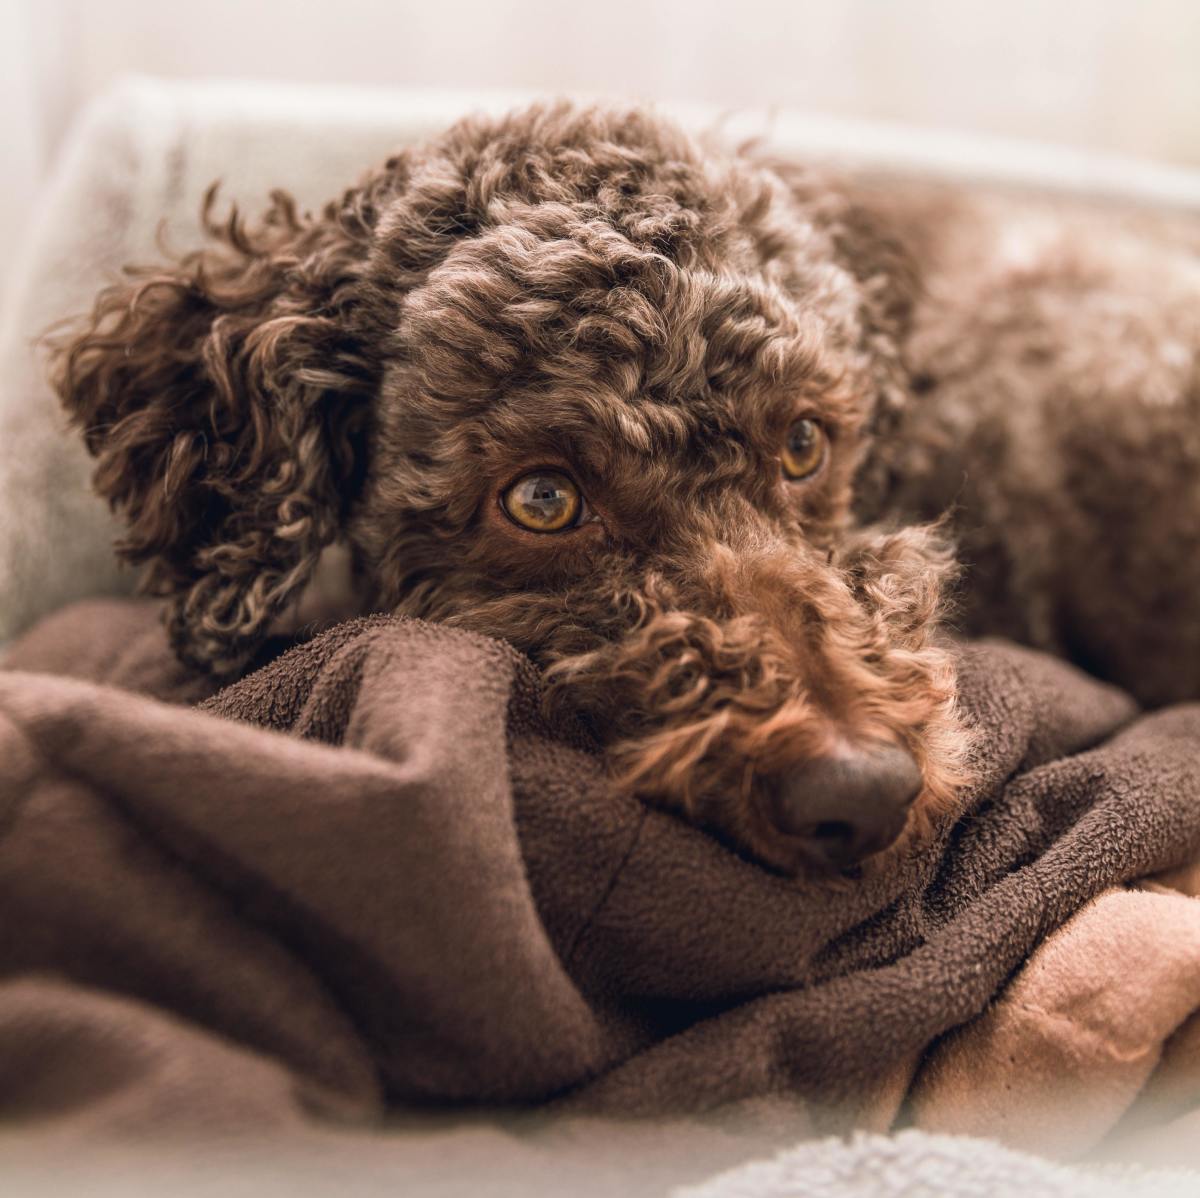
<point x="804" y="450"/>
<point x="544" y="501"/>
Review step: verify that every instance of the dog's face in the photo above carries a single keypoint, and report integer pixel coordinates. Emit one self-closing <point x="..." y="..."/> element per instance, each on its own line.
<point x="595" y="392"/>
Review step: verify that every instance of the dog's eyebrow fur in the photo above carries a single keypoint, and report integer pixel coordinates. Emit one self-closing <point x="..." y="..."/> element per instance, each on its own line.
<point x="633" y="427"/>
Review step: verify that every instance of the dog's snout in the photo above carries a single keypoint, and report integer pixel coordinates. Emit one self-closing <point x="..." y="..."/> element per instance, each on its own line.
<point x="848" y="805"/>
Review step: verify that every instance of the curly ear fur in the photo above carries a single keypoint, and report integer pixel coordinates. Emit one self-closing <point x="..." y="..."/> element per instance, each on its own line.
<point x="225" y="398"/>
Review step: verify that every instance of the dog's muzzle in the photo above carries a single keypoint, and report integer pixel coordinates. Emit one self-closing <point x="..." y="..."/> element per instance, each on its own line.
<point x="848" y="805"/>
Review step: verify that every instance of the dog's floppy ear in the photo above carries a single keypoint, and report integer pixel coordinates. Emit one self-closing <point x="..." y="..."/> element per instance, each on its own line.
<point x="225" y="398"/>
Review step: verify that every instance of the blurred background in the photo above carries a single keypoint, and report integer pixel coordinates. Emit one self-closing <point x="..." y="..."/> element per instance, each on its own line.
<point x="1112" y="75"/>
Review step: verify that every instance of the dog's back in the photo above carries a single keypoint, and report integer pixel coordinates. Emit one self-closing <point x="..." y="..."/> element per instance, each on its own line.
<point x="1055" y="360"/>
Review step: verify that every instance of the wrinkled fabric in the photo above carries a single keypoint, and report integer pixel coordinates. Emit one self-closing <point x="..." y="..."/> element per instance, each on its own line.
<point x="372" y="876"/>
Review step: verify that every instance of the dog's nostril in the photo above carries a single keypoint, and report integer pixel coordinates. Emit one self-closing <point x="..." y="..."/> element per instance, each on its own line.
<point x="848" y="806"/>
<point x="832" y="829"/>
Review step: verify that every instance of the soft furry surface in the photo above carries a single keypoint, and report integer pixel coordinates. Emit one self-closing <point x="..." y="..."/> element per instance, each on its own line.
<point x="914" y="1163"/>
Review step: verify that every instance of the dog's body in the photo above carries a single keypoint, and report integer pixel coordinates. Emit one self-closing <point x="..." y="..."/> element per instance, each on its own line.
<point x="1055" y="368"/>
<point x="668" y="421"/>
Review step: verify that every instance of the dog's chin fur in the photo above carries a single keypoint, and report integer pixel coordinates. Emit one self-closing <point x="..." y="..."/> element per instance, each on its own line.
<point x="584" y="290"/>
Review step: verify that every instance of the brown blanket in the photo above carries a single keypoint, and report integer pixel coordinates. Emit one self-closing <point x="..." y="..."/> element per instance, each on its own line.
<point x="371" y="876"/>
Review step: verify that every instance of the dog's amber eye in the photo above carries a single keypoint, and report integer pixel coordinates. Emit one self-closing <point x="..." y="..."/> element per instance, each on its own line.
<point x="804" y="450"/>
<point x="544" y="501"/>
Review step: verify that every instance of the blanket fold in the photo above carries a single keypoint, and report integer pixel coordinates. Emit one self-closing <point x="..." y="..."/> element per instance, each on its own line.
<point x="374" y="866"/>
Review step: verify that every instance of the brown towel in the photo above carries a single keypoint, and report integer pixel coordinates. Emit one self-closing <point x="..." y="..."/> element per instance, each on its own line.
<point x="372" y="868"/>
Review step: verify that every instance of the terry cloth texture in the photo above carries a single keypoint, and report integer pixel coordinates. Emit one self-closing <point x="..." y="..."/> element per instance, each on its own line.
<point x="371" y="875"/>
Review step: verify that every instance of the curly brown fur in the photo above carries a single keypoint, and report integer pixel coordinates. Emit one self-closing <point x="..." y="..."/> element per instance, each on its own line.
<point x="227" y="399"/>
<point x="589" y="291"/>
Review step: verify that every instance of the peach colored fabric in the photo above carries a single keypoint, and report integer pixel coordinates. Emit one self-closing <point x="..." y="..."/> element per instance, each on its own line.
<point x="1103" y="1014"/>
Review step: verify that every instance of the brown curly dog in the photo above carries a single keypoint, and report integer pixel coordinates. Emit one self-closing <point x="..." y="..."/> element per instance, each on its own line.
<point x="638" y="407"/>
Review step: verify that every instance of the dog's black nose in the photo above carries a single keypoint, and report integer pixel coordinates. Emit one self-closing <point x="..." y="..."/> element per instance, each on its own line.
<point x="847" y="806"/>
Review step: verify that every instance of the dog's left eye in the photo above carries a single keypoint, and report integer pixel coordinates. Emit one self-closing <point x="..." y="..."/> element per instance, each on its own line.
<point x="804" y="449"/>
<point x="544" y="501"/>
